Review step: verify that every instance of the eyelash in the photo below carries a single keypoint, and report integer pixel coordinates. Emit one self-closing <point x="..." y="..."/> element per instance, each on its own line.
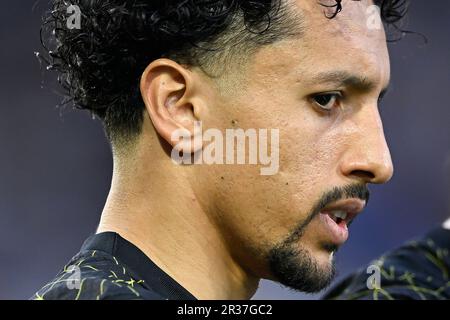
<point x="381" y="97"/>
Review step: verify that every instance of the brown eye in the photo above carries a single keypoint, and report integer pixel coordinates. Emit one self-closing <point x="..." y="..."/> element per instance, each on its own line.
<point x="327" y="101"/>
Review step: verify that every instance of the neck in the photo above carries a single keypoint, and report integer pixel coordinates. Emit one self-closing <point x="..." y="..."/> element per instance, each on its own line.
<point x="158" y="212"/>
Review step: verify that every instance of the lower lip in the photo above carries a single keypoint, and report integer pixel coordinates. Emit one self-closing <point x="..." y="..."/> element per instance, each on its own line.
<point x="338" y="232"/>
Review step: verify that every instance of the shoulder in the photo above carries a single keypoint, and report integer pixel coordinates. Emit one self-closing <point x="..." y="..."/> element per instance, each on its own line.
<point x="418" y="270"/>
<point x="95" y="275"/>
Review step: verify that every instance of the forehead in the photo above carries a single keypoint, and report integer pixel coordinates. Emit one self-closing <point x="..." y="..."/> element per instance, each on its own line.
<point x="348" y="43"/>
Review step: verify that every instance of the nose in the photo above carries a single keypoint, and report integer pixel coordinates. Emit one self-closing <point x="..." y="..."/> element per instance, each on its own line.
<point x="368" y="156"/>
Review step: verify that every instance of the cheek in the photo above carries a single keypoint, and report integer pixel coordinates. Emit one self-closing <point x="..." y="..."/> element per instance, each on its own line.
<point x="309" y="156"/>
<point x="264" y="209"/>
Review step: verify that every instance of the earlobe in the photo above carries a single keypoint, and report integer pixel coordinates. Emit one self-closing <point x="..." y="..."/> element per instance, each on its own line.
<point x="167" y="91"/>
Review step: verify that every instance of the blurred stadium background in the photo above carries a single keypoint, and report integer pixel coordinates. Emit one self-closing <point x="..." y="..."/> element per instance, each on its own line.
<point x="55" y="165"/>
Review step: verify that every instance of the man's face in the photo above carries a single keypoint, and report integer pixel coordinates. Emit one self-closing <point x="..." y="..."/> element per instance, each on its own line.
<point x="321" y="91"/>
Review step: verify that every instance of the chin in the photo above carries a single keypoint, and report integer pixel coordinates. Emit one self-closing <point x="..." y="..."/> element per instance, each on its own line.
<point x="301" y="268"/>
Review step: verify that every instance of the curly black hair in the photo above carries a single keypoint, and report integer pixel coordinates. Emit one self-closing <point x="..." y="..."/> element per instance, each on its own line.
<point x="100" y="64"/>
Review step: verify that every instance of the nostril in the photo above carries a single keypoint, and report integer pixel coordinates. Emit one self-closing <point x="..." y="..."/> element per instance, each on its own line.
<point x="363" y="174"/>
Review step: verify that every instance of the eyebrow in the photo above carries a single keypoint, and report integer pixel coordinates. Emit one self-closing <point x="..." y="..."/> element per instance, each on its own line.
<point x="344" y="78"/>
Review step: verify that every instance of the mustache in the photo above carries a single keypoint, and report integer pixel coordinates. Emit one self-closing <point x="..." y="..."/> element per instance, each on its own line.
<point x="356" y="190"/>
